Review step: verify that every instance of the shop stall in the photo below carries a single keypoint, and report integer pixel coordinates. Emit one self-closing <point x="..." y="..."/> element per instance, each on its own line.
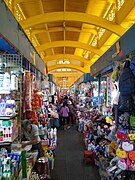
<point x="109" y="134"/>
<point x="23" y="94"/>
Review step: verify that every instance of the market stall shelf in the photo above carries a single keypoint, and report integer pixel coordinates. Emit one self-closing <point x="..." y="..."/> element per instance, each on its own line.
<point x="8" y="128"/>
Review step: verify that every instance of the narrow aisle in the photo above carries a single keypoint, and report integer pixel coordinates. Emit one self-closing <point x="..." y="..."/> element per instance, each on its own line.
<point x="69" y="158"/>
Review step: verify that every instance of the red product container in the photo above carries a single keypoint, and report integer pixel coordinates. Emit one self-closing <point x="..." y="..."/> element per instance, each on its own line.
<point x="42" y="166"/>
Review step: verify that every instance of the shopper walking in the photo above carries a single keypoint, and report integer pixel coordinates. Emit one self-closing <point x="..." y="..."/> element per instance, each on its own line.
<point x="71" y="113"/>
<point x="60" y="115"/>
<point x="64" y="111"/>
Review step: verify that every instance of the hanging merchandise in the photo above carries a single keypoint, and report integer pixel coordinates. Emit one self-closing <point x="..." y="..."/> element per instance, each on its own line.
<point x="14" y="81"/>
<point x="115" y="93"/>
<point x="132" y="65"/>
<point x="1" y="80"/>
<point x="127" y="88"/>
<point x="112" y="145"/>
<point x="132" y="121"/>
<point x="27" y="91"/>
<point x="94" y="98"/>
<point x="109" y="91"/>
<point x="127" y="80"/>
<point x="126" y="103"/>
<point x="103" y="91"/>
<point x="116" y="72"/>
<point x="6" y="81"/>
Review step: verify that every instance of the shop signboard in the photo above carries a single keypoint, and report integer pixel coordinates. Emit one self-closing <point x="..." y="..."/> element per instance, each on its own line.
<point x="88" y="77"/>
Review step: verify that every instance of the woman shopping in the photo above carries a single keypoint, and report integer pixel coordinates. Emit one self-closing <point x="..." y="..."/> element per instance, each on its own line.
<point x="64" y="111"/>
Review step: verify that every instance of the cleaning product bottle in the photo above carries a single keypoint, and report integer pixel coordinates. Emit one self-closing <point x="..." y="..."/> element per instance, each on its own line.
<point x="24" y="165"/>
<point x="14" y="81"/>
<point x="1" y="134"/>
<point x="6" y="84"/>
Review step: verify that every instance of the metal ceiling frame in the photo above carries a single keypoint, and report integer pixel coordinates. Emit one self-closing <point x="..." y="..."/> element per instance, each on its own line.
<point x="65" y="16"/>
<point x="70" y="66"/>
<point x="66" y="56"/>
<point x="75" y="44"/>
<point x="59" y="29"/>
<point x="67" y="74"/>
<point x="73" y="16"/>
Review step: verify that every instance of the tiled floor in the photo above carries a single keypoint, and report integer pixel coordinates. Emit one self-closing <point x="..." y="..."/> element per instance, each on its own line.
<point x="69" y="158"/>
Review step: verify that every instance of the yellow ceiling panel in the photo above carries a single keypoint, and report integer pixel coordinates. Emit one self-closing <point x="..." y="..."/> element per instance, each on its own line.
<point x="48" y="52"/>
<point x="53" y="5"/>
<point x="97" y="7"/>
<point x="35" y="8"/>
<point x="73" y="36"/>
<point x="69" y="50"/>
<point x="58" y="50"/>
<point x="79" y="6"/>
<point x="42" y="38"/>
<point x="57" y="36"/>
<point x="54" y="24"/>
<point x="79" y="31"/>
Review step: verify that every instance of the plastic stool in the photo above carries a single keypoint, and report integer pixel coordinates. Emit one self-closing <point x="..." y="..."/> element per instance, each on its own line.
<point x="88" y="157"/>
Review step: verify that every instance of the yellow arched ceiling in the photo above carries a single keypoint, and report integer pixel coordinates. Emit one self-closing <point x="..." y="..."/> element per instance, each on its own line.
<point x="73" y="16"/>
<point x="69" y="66"/>
<point x="67" y="56"/>
<point x="70" y="35"/>
<point x="69" y="44"/>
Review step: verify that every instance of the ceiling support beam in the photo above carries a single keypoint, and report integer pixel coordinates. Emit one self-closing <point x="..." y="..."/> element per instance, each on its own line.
<point x="126" y="8"/>
<point x="15" y="2"/>
<point x="58" y="29"/>
<point x="69" y="44"/>
<point x="67" y="74"/>
<point x="73" y="16"/>
<point x="66" y="56"/>
<point x="69" y="66"/>
<point x="48" y="34"/>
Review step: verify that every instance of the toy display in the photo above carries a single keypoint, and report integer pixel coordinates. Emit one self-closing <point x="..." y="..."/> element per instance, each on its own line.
<point x="109" y="133"/>
<point x="8" y="129"/>
<point x="7" y="107"/>
<point x="106" y="142"/>
<point x="10" y="164"/>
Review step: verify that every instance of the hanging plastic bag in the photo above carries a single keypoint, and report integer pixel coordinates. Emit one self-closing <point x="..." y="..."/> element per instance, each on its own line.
<point x="132" y="121"/>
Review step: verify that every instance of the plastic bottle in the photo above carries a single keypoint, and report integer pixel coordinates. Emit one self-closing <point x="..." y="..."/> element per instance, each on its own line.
<point x="24" y="165"/>
<point x="6" y="84"/>
<point x="1" y="134"/>
<point x="14" y="81"/>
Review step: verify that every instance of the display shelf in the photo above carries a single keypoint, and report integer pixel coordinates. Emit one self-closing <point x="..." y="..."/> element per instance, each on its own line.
<point x="7" y="117"/>
<point x="8" y="142"/>
<point x="5" y="143"/>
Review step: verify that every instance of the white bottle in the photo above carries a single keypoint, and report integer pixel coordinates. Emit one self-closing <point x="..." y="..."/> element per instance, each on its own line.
<point x="1" y="134"/>
<point x="14" y="81"/>
<point x="9" y="134"/>
<point x="6" y="82"/>
<point x="51" y="133"/>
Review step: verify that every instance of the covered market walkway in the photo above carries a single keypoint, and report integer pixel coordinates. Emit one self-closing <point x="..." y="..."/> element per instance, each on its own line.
<point x="69" y="158"/>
